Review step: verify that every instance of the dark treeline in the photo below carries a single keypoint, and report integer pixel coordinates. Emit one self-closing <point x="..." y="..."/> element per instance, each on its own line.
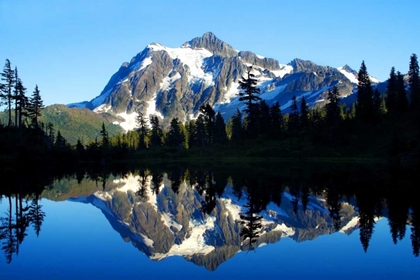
<point x="376" y="192"/>
<point x="376" y="125"/>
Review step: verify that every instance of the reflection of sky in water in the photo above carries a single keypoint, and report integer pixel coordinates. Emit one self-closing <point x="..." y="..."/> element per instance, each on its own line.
<point x="77" y="242"/>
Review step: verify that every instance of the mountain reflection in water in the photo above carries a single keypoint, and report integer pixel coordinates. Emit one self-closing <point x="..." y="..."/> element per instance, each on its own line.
<point x="208" y="215"/>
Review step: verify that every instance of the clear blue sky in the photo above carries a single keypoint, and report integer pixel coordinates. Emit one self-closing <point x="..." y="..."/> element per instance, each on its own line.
<point x="70" y="48"/>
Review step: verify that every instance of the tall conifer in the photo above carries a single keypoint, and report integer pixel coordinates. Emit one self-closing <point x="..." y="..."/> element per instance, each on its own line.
<point x="414" y="82"/>
<point x="8" y="76"/>
<point x="364" y="107"/>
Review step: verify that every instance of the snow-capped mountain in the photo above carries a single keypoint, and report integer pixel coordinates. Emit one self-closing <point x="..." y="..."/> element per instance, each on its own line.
<point x="163" y="223"/>
<point x="175" y="82"/>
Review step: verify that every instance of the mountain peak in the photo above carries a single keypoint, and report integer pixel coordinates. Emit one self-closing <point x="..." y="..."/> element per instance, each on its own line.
<point x="300" y="65"/>
<point x="348" y="69"/>
<point x="210" y="42"/>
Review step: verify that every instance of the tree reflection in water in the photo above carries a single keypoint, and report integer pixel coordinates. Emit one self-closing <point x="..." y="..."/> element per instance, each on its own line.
<point x="372" y="193"/>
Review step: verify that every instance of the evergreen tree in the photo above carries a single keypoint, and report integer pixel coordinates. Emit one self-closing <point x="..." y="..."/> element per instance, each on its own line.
<point x="264" y="118"/>
<point x="174" y="135"/>
<point x="16" y="95"/>
<point x="60" y="142"/>
<point x="401" y="94"/>
<point x="35" y="107"/>
<point x="8" y="76"/>
<point x="209" y="119"/>
<point x="332" y="108"/>
<point x="220" y="136"/>
<point x="21" y="102"/>
<point x="142" y="128"/>
<point x="104" y="136"/>
<point x="276" y="120"/>
<point x="192" y="133"/>
<point x="414" y="82"/>
<point x="200" y="132"/>
<point x="364" y="106"/>
<point x="391" y="90"/>
<point x="157" y="133"/>
<point x="236" y="129"/>
<point x="304" y="112"/>
<point x="50" y="132"/>
<point x="294" y="115"/>
<point x="249" y="96"/>
<point x="377" y="101"/>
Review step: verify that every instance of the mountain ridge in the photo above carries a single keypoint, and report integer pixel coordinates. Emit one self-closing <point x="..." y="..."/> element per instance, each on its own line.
<point x="175" y="82"/>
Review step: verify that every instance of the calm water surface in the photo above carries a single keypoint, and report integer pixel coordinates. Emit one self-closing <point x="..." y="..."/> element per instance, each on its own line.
<point x="126" y="230"/>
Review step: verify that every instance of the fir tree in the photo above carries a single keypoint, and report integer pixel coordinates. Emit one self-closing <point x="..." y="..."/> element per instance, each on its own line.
<point x="236" y="126"/>
<point x="414" y="82"/>
<point x="21" y="102"/>
<point x="364" y="106"/>
<point x="174" y="135"/>
<point x="294" y="115"/>
<point x="104" y="136"/>
<point x="142" y="128"/>
<point x="35" y="107"/>
<point x="401" y="94"/>
<point x="391" y="90"/>
<point x="304" y="112"/>
<point x="8" y="76"/>
<point x="276" y="120"/>
<point x="157" y="133"/>
<point x="264" y="118"/>
<point x="209" y="119"/>
<point x="249" y="96"/>
<point x="332" y="108"/>
<point x="377" y="101"/>
<point x="220" y="136"/>
<point x="16" y="95"/>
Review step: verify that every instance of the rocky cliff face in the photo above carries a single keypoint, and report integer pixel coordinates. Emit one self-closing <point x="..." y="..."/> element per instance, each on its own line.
<point x="175" y="82"/>
<point x="167" y="218"/>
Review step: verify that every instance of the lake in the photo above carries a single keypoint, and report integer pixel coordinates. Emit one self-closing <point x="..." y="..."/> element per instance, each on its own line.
<point x="224" y="221"/>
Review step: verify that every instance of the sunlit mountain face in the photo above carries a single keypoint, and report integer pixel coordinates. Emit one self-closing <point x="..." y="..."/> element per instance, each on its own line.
<point x="209" y="217"/>
<point x="174" y="82"/>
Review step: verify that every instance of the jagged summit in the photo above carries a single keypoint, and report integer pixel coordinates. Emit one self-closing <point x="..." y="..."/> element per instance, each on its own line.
<point x="348" y="69"/>
<point x="210" y="42"/>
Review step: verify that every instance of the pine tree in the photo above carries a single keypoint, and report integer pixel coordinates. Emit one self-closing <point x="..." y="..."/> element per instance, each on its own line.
<point x="236" y="129"/>
<point x="220" y="136"/>
<point x="35" y="107"/>
<point x="414" y="82"/>
<point x="401" y="94"/>
<point x="264" y="118"/>
<point x="332" y="108"/>
<point x="104" y="136"/>
<point x="200" y="131"/>
<point x="294" y="115"/>
<point x="209" y="119"/>
<point x="174" y="135"/>
<point x="304" y="112"/>
<point x="377" y="100"/>
<point x="21" y="102"/>
<point x="364" y="106"/>
<point x="157" y="133"/>
<point x="8" y="76"/>
<point x="391" y="90"/>
<point x="16" y="95"/>
<point x="276" y="120"/>
<point x="143" y="129"/>
<point x="249" y="96"/>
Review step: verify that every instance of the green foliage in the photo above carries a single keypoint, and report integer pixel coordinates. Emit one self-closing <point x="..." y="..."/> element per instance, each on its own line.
<point x="77" y="124"/>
